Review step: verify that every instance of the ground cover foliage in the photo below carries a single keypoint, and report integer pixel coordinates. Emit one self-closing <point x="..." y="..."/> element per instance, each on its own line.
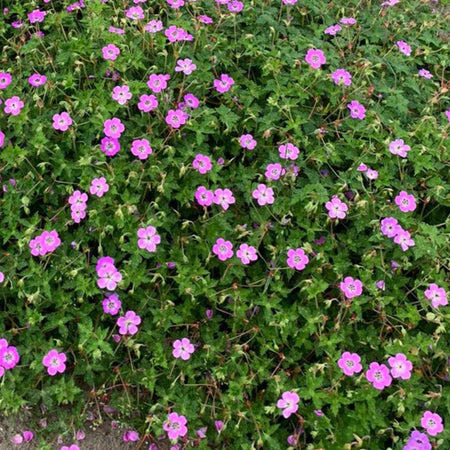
<point x="318" y="155"/>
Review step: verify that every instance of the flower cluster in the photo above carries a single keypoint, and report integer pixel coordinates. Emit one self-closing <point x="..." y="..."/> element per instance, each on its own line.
<point x="108" y="275"/>
<point x="45" y="243"/>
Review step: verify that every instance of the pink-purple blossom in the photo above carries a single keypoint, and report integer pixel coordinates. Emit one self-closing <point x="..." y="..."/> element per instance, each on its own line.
<point x="224" y="83"/>
<point x="263" y="195"/>
<point x="110" y="52"/>
<point x="315" y="58"/>
<point x="432" y="422"/>
<point x="350" y="363"/>
<point x="398" y="147"/>
<point x="202" y="163"/>
<point x="128" y="324"/>
<point x="246" y="253"/>
<point x="224" y="198"/>
<point x="341" y="76"/>
<point x="351" y="287"/>
<point x="406" y="202"/>
<point x="437" y="295"/>
<point x="148" y="239"/>
<point x="141" y="148"/>
<point x="54" y="362"/>
<point x="175" y="426"/>
<point x="297" y="258"/>
<point x="336" y="208"/>
<point x="288" y="403"/>
<point x="357" y="111"/>
<point x="223" y="249"/>
<point x="400" y="366"/>
<point x="13" y="106"/>
<point x="99" y="187"/>
<point x="247" y="141"/>
<point x="378" y="375"/>
<point x="182" y="348"/>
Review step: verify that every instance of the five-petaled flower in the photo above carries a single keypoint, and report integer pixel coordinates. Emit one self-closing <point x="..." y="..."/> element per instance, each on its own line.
<point x="55" y="362"/>
<point x="182" y="348"/>
<point x="288" y="403"/>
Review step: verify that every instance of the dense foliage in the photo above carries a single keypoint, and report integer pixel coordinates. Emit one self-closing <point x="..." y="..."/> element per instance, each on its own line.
<point x="207" y="203"/>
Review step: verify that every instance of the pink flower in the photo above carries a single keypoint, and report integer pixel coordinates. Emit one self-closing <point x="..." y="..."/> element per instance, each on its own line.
<point x="263" y="195"/>
<point x="37" y="80"/>
<point x="289" y="2"/>
<point x="104" y="262"/>
<point x="191" y="101"/>
<point x="274" y="171"/>
<point x="432" y="423"/>
<point x="78" y="200"/>
<point x="219" y="425"/>
<point x="348" y="21"/>
<point x="37" y="246"/>
<point x="13" y="105"/>
<point x="9" y="356"/>
<point x="175" y="426"/>
<point x="246" y="254"/>
<point x="336" y="208"/>
<point x="424" y="73"/>
<point x="447" y="113"/>
<point x="174" y="33"/>
<point x="288" y="151"/>
<point x="134" y="13"/>
<point x="2" y="138"/>
<point x="36" y="16"/>
<point x="115" y="30"/>
<point x="436" y="295"/>
<point x="2" y="277"/>
<point x="158" y="83"/>
<point x="390" y="227"/>
<point x="378" y="375"/>
<point x="55" y="362"/>
<point x="350" y="363"/>
<point x="130" y="436"/>
<point x="111" y="304"/>
<point x="341" y="76"/>
<point x="351" y="287"/>
<point x="315" y="58"/>
<point x="141" y="148"/>
<point x="186" y="66"/>
<point x="204" y="196"/>
<point x="333" y="30"/>
<point x="398" y="147"/>
<point x="17" y="439"/>
<point x="404" y="47"/>
<point x="147" y="103"/>
<point x="113" y="128"/>
<point x="288" y="403"/>
<point x="72" y="447"/>
<point x="28" y="436"/>
<point x="224" y="198"/>
<point x="110" y="146"/>
<point x="406" y="202"/>
<point x="235" y="6"/>
<point x="224" y="83"/>
<point x="128" y="323"/>
<point x="109" y="276"/>
<point x="372" y="174"/>
<point x="182" y="349"/>
<point x="223" y="249"/>
<point x="247" y="141"/>
<point x="5" y="80"/>
<point x="400" y="366"/>
<point x="357" y="111"/>
<point x="148" y="239"/>
<point x="418" y="441"/>
<point x="297" y="259"/>
<point x="176" y="118"/>
<point x="362" y="168"/>
<point x="202" y="163"/>
<point x="121" y="94"/>
<point x="175" y="4"/>
<point x="110" y="52"/>
<point x="62" y="121"/>
<point x="154" y="26"/>
<point x="403" y="238"/>
<point x="99" y="186"/>
<point x="50" y="241"/>
<point x="205" y="19"/>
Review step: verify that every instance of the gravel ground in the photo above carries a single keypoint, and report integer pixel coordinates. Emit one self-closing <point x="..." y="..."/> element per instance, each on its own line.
<point x="102" y="438"/>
